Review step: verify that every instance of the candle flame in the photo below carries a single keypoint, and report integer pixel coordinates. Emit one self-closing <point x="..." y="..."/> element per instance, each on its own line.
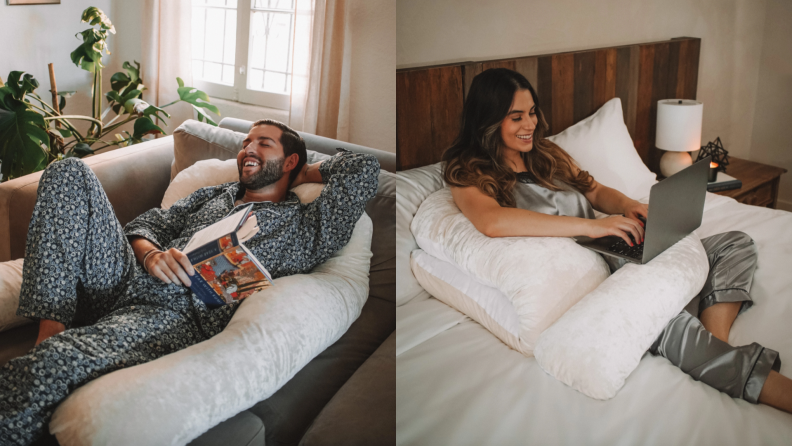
<point x="713" y="165"/>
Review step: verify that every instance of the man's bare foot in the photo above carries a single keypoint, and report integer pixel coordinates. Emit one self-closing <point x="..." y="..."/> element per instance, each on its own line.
<point x="47" y="329"/>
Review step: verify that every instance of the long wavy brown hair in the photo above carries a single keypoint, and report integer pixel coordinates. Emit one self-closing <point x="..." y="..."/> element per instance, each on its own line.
<point x="476" y="157"/>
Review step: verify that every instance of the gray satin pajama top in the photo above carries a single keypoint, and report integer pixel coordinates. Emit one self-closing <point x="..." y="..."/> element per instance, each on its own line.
<point x="738" y="371"/>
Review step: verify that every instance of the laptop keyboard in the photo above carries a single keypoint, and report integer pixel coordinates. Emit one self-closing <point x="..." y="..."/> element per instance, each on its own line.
<point x="621" y="247"/>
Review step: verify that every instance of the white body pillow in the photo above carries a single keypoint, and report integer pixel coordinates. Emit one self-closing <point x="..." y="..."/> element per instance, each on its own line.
<point x="10" y="284"/>
<point x="456" y="288"/>
<point x="602" y="145"/>
<point x="273" y="334"/>
<point x="412" y="188"/>
<point x="541" y="276"/>
<point x="600" y="341"/>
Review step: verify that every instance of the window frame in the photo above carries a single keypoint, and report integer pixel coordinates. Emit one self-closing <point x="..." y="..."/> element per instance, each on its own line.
<point x="239" y="91"/>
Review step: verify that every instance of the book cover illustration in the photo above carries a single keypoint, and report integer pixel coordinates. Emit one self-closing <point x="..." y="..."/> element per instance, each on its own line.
<point x="232" y="275"/>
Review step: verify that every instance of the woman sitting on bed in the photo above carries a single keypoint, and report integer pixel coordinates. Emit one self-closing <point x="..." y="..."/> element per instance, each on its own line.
<point x="510" y="181"/>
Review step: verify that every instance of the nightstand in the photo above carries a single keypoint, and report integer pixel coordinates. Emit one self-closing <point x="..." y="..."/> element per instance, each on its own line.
<point x="759" y="182"/>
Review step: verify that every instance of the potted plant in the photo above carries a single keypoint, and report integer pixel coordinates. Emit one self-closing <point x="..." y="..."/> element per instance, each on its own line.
<point x="34" y="133"/>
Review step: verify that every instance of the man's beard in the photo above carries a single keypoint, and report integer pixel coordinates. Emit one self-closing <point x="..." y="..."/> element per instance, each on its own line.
<point x="268" y="173"/>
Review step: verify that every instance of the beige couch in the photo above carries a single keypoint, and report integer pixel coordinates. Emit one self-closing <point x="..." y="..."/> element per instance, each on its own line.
<point x="346" y="395"/>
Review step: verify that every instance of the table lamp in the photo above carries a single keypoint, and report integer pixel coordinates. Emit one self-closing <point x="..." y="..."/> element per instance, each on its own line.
<point x="678" y="133"/>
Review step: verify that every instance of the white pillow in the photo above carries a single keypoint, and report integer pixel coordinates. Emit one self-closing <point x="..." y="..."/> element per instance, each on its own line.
<point x="602" y="145"/>
<point x="485" y="304"/>
<point x="10" y="284"/>
<point x="412" y="188"/>
<point x="212" y="172"/>
<point x="597" y="344"/>
<point x="273" y="334"/>
<point x="541" y="276"/>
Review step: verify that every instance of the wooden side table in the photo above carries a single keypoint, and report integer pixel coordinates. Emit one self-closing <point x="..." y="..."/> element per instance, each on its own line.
<point x="759" y="182"/>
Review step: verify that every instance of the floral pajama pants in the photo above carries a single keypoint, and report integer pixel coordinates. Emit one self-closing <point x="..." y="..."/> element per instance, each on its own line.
<point x="80" y="270"/>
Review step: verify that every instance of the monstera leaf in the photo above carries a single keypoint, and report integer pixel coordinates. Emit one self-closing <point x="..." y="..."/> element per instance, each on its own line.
<point x="199" y="100"/>
<point x="95" y="16"/>
<point x="123" y="83"/>
<point x="22" y="135"/>
<point x="88" y="56"/>
<point x="63" y="96"/>
<point x="144" y="126"/>
<point x="21" y="84"/>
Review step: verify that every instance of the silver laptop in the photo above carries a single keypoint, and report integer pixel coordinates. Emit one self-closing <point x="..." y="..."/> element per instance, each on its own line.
<point x="676" y="206"/>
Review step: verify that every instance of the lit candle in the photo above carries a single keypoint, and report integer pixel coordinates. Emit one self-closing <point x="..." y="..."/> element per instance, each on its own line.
<point x="713" y="172"/>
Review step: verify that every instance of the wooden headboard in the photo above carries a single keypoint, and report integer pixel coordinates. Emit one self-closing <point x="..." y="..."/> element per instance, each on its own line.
<point x="571" y="86"/>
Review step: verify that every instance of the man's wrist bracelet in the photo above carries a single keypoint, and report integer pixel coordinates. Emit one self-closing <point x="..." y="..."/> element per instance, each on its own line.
<point x="146" y="256"/>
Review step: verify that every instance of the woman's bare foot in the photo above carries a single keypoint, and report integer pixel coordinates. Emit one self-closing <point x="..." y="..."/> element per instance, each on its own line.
<point x="47" y="329"/>
<point x="777" y="392"/>
<point x="719" y="318"/>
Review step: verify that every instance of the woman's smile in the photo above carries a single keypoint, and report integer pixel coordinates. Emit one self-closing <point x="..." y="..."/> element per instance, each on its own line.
<point x="518" y="127"/>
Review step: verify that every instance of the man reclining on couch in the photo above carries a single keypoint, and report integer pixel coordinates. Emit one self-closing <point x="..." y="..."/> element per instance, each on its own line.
<point x="109" y="298"/>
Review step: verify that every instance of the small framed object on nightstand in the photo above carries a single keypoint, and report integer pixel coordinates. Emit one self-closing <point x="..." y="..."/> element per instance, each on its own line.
<point x="759" y="182"/>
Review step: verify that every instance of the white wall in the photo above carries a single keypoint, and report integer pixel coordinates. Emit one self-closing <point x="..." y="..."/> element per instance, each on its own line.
<point x="373" y="79"/>
<point x="771" y="140"/>
<point x="36" y="35"/>
<point x="731" y="32"/>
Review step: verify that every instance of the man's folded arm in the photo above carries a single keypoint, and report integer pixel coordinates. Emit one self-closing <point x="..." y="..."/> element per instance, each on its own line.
<point x="350" y="180"/>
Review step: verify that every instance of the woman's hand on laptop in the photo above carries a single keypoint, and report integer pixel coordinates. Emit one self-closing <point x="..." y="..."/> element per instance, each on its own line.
<point x="616" y="225"/>
<point x="637" y="211"/>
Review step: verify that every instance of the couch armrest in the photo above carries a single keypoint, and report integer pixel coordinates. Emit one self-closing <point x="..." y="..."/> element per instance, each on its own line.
<point x="363" y="411"/>
<point x="134" y="179"/>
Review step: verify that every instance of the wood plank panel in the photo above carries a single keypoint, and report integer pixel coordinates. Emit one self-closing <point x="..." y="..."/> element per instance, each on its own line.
<point x="644" y="101"/>
<point x="509" y="64"/>
<point x="563" y="91"/>
<point x="604" y="76"/>
<point x="627" y="59"/>
<point x="428" y="120"/>
<point x="674" y="48"/>
<point x="469" y="71"/>
<point x="544" y="84"/>
<point x="583" y="105"/>
<point x="691" y="68"/>
<point x="659" y="91"/>
<point x="529" y="67"/>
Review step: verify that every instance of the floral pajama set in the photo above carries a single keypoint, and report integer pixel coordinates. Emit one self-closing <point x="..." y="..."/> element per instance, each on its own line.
<point x="80" y="270"/>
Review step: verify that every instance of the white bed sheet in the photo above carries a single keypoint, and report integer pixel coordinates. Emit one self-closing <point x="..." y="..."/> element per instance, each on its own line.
<point x="458" y="384"/>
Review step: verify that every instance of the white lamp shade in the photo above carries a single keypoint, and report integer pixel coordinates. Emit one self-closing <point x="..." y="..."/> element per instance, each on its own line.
<point x="679" y="125"/>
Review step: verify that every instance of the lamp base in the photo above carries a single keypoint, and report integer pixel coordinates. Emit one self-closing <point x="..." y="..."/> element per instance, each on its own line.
<point x="673" y="162"/>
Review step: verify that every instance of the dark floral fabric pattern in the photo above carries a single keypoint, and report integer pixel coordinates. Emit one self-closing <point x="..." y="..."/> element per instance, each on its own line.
<point x="80" y="270"/>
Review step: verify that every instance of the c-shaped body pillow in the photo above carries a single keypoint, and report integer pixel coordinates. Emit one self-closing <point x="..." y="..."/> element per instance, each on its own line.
<point x="586" y="328"/>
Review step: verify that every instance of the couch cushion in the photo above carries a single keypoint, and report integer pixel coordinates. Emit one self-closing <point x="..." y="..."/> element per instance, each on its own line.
<point x="243" y="429"/>
<point x="382" y="210"/>
<point x="143" y="165"/>
<point x="290" y="411"/>
<point x="363" y="412"/>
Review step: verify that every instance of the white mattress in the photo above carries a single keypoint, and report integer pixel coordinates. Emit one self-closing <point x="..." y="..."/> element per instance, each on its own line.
<point x="458" y="384"/>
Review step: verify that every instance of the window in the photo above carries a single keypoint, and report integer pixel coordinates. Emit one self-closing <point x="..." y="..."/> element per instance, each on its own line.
<point x="242" y="50"/>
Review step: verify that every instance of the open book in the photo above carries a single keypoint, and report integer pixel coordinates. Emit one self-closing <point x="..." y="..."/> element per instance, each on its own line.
<point x="227" y="270"/>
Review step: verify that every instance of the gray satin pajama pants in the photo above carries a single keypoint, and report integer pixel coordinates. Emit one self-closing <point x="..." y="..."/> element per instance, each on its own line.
<point x="737" y="371"/>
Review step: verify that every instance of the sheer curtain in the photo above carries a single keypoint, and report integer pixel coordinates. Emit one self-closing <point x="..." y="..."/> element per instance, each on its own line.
<point x="166" y="55"/>
<point x="321" y="70"/>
